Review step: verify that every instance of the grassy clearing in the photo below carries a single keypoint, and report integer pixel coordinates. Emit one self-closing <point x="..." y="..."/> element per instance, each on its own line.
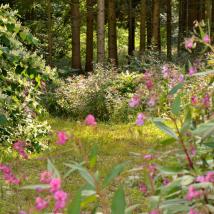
<point x="115" y="142"/>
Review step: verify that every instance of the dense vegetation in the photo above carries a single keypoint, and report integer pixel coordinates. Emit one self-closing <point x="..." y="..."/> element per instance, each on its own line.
<point x="83" y="131"/>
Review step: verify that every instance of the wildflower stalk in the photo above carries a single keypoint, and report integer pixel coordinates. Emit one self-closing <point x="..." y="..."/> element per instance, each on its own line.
<point x="181" y="141"/>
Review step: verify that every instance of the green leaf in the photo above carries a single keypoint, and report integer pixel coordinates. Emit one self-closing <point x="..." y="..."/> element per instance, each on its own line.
<point x="114" y="173"/>
<point x="204" y="130"/>
<point x="118" y="202"/>
<point x="168" y="141"/>
<point x="75" y="205"/>
<point x="93" y="157"/>
<point x="3" y="119"/>
<point x="53" y="169"/>
<point x="176" y="88"/>
<point x="187" y="122"/>
<point x="171" y="170"/>
<point x="84" y="173"/>
<point x="176" y="105"/>
<point x="36" y="186"/>
<point x="154" y="202"/>
<point x="165" y="128"/>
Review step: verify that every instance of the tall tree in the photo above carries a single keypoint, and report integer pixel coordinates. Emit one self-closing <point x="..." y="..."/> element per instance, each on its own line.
<point x="169" y="29"/>
<point x="89" y="36"/>
<point x="143" y="27"/>
<point x="149" y="23"/>
<point x="131" y="27"/>
<point x="156" y="23"/>
<point x="50" y="40"/>
<point x="75" y="17"/>
<point x="112" y="32"/>
<point x="101" y="31"/>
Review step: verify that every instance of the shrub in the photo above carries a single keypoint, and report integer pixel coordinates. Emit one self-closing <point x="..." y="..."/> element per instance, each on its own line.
<point x="22" y="77"/>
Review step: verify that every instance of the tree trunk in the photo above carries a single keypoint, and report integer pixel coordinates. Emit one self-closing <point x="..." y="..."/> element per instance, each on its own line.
<point x="89" y="36"/>
<point x="101" y="32"/>
<point x="75" y="17"/>
<point x="131" y="27"/>
<point x="143" y="27"/>
<point x="50" y="40"/>
<point x="169" y="30"/>
<point x="182" y="23"/>
<point x="156" y="23"/>
<point x="112" y="33"/>
<point x="212" y="23"/>
<point x="149" y="23"/>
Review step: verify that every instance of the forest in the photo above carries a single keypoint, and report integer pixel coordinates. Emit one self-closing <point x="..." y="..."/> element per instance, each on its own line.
<point x="107" y="106"/>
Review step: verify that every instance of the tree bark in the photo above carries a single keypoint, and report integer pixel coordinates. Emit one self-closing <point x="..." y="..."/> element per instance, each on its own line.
<point x="89" y="36"/>
<point x="75" y="17"/>
<point x="156" y="23"/>
<point x="101" y="32"/>
<point x="50" y="40"/>
<point x="143" y="27"/>
<point x="169" y="30"/>
<point x="131" y="27"/>
<point x="149" y="23"/>
<point x="112" y="33"/>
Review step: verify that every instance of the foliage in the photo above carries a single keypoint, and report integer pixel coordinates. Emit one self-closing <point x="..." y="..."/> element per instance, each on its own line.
<point x="105" y="93"/>
<point x="22" y="78"/>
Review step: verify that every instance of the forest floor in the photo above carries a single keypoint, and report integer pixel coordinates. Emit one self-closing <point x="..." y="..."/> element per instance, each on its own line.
<point x="115" y="144"/>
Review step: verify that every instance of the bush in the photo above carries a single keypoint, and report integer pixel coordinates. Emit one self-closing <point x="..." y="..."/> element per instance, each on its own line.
<point x="22" y="77"/>
<point x="105" y="93"/>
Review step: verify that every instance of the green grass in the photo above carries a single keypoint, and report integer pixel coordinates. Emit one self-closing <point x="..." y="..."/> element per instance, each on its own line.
<point x="114" y="142"/>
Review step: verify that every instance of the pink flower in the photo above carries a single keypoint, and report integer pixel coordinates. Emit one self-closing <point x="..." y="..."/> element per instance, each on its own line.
<point x="90" y="120"/>
<point x="152" y="169"/>
<point x="210" y="177"/>
<point x="19" y="146"/>
<point x="62" y="138"/>
<point x="22" y="212"/>
<point x="165" y="71"/>
<point x="140" y="119"/>
<point x="206" y="101"/>
<point x="206" y="39"/>
<point x="152" y="101"/>
<point x="135" y="101"/>
<point x="148" y="157"/>
<point x="60" y="198"/>
<point x="8" y="175"/>
<point x="192" y="193"/>
<point x="55" y="184"/>
<point x="149" y="84"/>
<point x="194" y="100"/>
<point x="154" y="212"/>
<point x="45" y="177"/>
<point x="40" y="204"/>
<point x="60" y="195"/>
<point x="192" y="70"/>
<point x="166" y="181"/>
<point x="189" y="43"/>
<point x="192" y="211"/>
<point x="181" y="78"/>
<point x="201" y="179"/>
<point x="143" y="188"/>
<point x="193" y="150"/>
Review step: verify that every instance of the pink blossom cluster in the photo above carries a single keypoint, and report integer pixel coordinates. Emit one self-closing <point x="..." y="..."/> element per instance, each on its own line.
<point x="90" y="120"/>
<point x="193" y="193"/>
<point x="140" y="119"/>
<point x="135" y="101"/>
<point x="193" y="211"/>
<point x="9" y="177"/>
<point x="205" y="101"/>
<point x="209" y="177"/>
<point x="62" y="138"/>
<point x="58" y="194"/>
<point x="19" y="146"/>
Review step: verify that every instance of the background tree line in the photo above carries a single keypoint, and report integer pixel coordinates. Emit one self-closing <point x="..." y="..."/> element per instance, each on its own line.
<point x="78" y="33"/>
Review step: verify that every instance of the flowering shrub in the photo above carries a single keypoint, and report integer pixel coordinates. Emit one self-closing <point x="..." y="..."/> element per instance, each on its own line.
<point x="104" y="92"/>
<point x="22" y="76"/>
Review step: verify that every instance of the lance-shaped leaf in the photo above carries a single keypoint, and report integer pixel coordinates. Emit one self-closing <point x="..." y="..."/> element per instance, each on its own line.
<point x="75" y="206"/>
<point x="53" y="169"/>
<point x="165" y="128"/>
<point x="118" y="202"/>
